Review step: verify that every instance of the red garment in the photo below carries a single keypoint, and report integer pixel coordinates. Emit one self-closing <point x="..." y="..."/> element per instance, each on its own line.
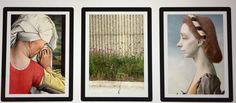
<point x="21" y="81"/>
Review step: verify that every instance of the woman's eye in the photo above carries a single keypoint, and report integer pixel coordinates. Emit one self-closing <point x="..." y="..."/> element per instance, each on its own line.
<point x="184" y="37"/>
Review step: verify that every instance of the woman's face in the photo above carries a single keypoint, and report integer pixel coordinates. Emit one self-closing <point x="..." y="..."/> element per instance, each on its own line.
<point x="188" y="44"/>
<point x="36" y="47"/>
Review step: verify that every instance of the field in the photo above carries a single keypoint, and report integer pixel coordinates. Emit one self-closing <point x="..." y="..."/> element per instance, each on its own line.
<point x="115" y="67"/>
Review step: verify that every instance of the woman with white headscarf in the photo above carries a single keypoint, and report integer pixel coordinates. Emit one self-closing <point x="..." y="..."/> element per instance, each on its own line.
<point x="32" y="35"/>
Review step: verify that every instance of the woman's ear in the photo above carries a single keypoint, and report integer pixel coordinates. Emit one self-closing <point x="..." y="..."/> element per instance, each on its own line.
<point x="200" y="42"/>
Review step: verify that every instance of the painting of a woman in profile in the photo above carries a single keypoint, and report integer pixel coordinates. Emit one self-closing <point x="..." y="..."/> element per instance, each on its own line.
<point x="198" y="41"/>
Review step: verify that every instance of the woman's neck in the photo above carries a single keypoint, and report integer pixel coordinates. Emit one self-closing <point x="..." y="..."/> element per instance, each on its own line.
<point x="203" y="64"/>
<point x="19" y="56"/>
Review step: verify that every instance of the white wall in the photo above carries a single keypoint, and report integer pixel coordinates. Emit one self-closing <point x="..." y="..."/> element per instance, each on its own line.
<point x="154" y="4"/>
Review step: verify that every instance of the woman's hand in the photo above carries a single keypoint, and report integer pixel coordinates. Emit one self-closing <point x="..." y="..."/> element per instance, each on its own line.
<point x="46" y="58"/>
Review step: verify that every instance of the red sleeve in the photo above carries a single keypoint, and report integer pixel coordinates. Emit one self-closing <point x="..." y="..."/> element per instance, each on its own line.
<point x="38" y="74"/>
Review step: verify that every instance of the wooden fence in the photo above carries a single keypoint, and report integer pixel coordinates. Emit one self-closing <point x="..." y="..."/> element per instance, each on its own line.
<point x="120" y="34"/>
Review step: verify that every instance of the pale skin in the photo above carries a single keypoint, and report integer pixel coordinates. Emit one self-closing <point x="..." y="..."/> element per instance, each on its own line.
<point x="191" y="48"/>
<point x="23" y="51"/>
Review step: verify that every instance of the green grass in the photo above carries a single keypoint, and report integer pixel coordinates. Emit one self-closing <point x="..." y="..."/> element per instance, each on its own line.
<point x="116" y="68"/>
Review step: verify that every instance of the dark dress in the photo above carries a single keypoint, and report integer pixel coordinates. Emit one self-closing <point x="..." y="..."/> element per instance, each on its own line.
<point x="207" y="84"/>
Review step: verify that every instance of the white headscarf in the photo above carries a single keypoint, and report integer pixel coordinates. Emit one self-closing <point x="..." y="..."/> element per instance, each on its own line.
<point x="31" y="27"/>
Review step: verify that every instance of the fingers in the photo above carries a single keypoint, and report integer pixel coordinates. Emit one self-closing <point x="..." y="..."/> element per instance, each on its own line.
<point x="46" y="52"/>
<point x="49" y="51"/>
<point x="46" y="58"/>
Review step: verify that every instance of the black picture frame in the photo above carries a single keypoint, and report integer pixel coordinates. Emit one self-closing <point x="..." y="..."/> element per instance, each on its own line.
<point x="162" y="28"/>
<point x="83" y="48"/>
<point x="70" y="31"/>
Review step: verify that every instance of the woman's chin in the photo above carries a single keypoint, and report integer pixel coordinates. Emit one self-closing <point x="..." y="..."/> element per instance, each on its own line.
<point x="187" y="56"/>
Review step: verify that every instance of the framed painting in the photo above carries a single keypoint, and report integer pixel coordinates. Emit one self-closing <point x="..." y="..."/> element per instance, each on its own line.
<point x="116" y="54"/>
<point x="37" y="57"/>
<point x="196" y="55"/>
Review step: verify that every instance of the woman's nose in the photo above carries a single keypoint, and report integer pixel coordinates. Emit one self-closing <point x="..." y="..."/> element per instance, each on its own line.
<point x="179" y="44"/>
